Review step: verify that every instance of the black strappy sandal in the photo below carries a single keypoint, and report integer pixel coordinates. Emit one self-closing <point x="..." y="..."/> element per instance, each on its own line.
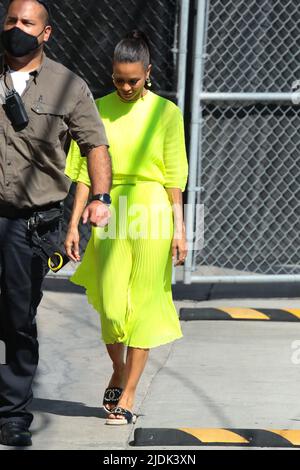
<point x="128" y="417"/>
<point x="111" y="397"/>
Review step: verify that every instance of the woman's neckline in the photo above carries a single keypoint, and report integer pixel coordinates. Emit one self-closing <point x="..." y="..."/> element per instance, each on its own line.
<point x="141" y="98"/>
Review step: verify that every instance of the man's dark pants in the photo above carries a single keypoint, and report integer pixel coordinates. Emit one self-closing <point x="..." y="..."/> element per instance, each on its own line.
<point x="23" y="267"/>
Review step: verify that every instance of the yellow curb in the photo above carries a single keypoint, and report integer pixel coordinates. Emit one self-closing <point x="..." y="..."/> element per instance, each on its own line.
<point x="289" y="434"/>
<point x="293" y="311"/>
<point x="244" y="313"/>
<point x="216" y="435"/>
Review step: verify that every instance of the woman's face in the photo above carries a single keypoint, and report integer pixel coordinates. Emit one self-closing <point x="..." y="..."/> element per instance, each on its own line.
<point x="129" y="79"/>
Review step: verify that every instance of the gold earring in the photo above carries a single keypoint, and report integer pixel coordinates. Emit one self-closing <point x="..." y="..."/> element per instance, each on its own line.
<point x="149" y="83"/>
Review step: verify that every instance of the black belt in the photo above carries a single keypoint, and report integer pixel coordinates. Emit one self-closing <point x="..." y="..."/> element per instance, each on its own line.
<point x="11" y="212"/>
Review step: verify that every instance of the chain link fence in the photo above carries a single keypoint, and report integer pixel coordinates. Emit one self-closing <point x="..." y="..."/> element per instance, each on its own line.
<point x="248" y="172"/>
<point x="252" y="46"/>
<point x="86" y="32"/>
<point x="251" y="188"/>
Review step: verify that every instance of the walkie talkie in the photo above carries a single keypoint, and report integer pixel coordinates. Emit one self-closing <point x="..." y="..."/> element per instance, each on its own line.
<point x="15" y="110"/>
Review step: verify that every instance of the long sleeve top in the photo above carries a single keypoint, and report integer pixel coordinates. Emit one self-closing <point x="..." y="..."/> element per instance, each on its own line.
<point x="146" y="139"/>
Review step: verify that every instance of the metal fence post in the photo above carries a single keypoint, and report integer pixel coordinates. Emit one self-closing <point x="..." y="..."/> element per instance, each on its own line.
<point x="198" y="64"/>
<point x="182" y="66"/>
<point x="182" y="61"/>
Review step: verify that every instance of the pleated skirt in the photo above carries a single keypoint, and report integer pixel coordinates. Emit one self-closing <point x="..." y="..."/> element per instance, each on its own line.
<point x="127" y="268"/>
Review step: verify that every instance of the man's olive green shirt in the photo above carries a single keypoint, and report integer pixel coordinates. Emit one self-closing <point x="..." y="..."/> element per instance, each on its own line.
<point x="60" y="106"/>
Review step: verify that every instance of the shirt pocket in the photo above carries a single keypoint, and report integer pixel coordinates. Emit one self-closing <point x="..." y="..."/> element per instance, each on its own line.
<point x="46" y="122"/>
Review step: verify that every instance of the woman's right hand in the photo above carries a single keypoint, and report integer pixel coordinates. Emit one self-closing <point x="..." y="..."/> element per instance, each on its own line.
<point x="72" y="243"/>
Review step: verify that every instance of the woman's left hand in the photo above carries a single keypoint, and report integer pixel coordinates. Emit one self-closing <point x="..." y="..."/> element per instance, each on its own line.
<point x="179" y="246"/>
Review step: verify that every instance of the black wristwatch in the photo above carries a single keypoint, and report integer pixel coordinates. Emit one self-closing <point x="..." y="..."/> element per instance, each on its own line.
<point x="105" y="198"/>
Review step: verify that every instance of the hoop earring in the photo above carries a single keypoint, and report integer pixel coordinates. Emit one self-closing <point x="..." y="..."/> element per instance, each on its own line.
<point x="149" y="83"/>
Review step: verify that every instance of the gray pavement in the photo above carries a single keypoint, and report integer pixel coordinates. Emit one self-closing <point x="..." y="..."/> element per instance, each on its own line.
<point x="221" y="374"/>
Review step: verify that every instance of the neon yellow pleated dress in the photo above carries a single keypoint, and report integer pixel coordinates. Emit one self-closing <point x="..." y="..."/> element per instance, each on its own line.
<point x="127" y="267"/>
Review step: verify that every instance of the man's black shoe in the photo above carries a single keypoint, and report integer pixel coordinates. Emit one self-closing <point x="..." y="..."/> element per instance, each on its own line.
<point x="15" y="434"/>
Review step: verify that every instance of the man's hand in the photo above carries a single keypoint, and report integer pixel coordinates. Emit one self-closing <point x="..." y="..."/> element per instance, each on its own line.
<point x="72" y="244"/>
<point x="97" y="213"/>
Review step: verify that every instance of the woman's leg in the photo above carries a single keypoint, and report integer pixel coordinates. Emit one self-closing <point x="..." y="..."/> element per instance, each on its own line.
<point x="116" y="354"/>
<point x="135" y="365"/>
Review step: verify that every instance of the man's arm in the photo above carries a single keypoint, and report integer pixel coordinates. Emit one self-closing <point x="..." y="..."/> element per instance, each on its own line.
<point x="100" y="170"/>
<point x="87" y="129"/>
<point x="100" y="173"/>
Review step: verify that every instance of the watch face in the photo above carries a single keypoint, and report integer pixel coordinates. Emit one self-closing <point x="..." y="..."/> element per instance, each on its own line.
<point x="106" y="198"/>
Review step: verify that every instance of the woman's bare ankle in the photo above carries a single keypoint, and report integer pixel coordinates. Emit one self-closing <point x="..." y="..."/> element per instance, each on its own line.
<point x="118" y="376"/>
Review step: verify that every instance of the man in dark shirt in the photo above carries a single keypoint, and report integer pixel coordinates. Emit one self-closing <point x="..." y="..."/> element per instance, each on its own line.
<point x="59" y="106"/>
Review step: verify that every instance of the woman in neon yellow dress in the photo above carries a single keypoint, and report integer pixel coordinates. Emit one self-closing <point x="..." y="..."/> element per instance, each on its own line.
<point x="127" y="267"/>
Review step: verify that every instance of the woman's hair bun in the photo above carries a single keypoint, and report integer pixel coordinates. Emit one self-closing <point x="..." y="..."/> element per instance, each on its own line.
<point x="139" y="36"/>
<point x="134" y="47"/>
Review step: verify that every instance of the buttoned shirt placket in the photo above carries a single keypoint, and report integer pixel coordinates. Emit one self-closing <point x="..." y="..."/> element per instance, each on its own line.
<point x="8" y="131"/>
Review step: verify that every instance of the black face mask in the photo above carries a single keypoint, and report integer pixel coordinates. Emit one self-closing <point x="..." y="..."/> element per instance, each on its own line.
<point x="18" y="43"/>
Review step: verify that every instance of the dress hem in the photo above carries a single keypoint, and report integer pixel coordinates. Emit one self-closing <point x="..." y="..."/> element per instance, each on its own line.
<point x="147" y="346"/>
<point x="156" y="345"/>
